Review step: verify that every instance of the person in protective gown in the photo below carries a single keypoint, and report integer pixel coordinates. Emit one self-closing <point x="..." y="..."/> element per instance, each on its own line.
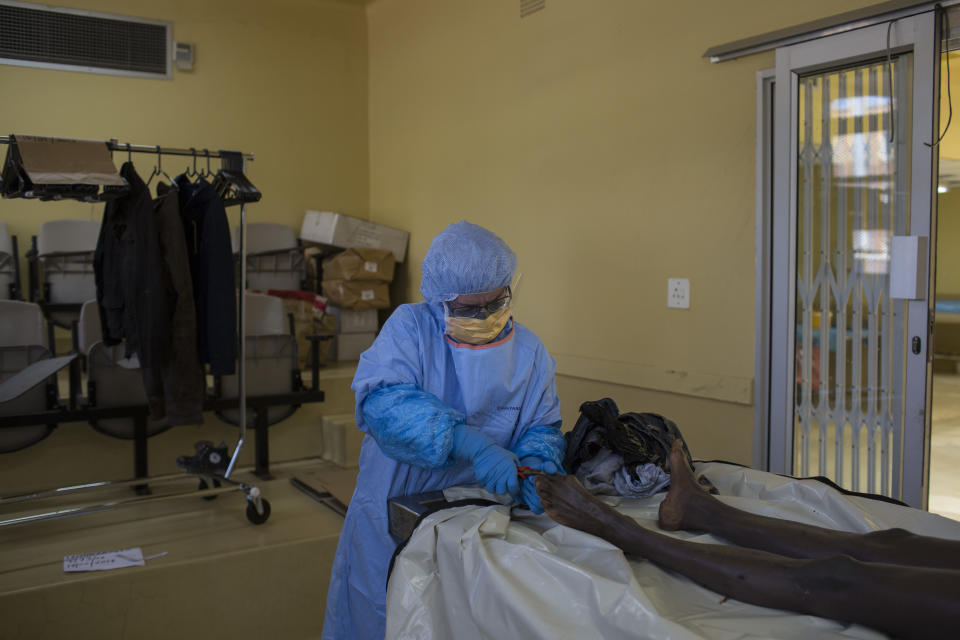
<point x="453" y="391"/>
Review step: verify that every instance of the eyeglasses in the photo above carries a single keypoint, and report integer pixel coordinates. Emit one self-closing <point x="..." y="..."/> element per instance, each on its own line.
<point x="479" y="310"/>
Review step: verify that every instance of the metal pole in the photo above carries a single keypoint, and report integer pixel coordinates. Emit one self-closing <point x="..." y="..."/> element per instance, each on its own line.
<point x="114" y="145"/>
<point x="241" y="368"/>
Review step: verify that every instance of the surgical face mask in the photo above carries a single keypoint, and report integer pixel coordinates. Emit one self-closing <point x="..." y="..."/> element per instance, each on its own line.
<point x="477" y="330"/>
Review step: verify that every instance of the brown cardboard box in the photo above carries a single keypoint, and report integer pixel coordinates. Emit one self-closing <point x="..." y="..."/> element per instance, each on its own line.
<point x="357" y="295"/>
<point x="360" y="263"/>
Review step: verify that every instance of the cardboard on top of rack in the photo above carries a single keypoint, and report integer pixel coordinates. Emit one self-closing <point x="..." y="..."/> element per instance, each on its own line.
<point x="66" y="161"/>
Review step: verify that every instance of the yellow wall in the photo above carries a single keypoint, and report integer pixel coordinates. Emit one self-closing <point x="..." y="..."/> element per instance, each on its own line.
<point x="948" y="239"/>
<point x="950" y="145"/>
<point x="611" y="156"/>
<point x="948" y="204"/>
<point x="285" y="80"/>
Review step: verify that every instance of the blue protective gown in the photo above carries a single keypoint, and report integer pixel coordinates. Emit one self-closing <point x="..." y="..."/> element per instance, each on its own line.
<point x="503" y="388"/>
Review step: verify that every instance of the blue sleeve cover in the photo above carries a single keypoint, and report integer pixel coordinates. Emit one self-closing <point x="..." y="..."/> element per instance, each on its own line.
<point x="411" y="425"/>
<point x="545" y="442"/>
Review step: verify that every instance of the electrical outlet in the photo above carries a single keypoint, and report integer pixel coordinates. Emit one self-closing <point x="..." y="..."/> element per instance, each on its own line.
<point x="678" y="293"/>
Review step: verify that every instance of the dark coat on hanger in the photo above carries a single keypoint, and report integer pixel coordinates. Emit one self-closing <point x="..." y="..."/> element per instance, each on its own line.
<point x="179" y="382"/>
<point x="212" y="268"/>
<point x="145" y="298"/>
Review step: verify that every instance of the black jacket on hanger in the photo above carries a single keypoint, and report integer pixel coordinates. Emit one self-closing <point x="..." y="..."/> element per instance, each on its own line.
<point x="207" y="233"/>
<point x="130" y="284"/>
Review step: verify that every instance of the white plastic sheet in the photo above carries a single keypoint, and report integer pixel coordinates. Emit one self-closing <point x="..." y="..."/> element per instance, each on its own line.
<point x="475" y="572"/>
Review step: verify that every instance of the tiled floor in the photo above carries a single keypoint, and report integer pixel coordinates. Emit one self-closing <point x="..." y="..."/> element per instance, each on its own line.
<point x="945" y="446"/>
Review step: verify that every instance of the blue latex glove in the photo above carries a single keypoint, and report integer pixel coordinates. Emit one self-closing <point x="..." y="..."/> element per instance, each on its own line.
<point x="530" y="497"/>
<point x="529" y="489"/>
<point x="494" y="467"/>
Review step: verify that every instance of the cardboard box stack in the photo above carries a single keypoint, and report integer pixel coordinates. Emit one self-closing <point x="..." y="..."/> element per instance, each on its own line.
<point x="355" y="283"/>
<point x="324" y="233"/>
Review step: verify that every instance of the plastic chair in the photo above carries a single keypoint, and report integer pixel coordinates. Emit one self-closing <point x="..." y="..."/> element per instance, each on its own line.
<point x="89" y="330"/>
<point x="9" y="273"/>
<point x="274" y="259"/>
<point x="64" y="267"/>
<point x="22" y="334"/>
<point x="116" y="381"/>
<point x="22" y="324"/>
<point x="112" y="379"/>
<point x="271" y="362"/>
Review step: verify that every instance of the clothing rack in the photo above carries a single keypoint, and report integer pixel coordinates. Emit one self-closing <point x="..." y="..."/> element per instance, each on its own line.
<point x="114" y="145"/>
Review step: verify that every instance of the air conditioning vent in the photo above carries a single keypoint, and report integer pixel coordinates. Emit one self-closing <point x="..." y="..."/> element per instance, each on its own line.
<point x="76" y="40"/>
<point x="531" y="6"/>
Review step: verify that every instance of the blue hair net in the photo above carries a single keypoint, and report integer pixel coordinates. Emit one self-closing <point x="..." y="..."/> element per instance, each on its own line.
<point x="465" y="258"/>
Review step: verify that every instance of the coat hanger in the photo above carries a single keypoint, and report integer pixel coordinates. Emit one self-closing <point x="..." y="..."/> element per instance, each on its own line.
<point x="187" y="172"/>
<point x="231" y="184"/>
<point x="203" y="175"/>
<point x="158" y="171"/>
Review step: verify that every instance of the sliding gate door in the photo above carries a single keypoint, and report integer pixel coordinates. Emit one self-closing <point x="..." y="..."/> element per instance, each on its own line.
<point x="853" y="192"/>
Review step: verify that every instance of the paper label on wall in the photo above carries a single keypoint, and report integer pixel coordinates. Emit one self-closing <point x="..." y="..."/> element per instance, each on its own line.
<point x="103" y="561"/>
<point x="367" y="294"/>
<point x="370" y="266"/>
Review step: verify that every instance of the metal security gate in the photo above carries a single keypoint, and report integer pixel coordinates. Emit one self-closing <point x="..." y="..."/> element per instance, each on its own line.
<point x="851" y="200"/>
<point x="852" y="204"/>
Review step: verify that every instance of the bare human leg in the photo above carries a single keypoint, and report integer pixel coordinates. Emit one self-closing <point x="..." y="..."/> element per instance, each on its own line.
<point x="904" y="601"/>
<point x="688" y="506"/>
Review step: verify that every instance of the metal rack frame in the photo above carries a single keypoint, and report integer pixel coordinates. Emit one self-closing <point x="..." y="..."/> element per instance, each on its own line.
<point x="114" y="145"/>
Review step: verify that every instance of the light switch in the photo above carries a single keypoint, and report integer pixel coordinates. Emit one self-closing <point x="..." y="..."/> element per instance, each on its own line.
<point x="678" y="293"/>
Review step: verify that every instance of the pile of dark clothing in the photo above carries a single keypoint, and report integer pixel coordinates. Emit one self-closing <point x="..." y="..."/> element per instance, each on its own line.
<point x="625" y="455"/>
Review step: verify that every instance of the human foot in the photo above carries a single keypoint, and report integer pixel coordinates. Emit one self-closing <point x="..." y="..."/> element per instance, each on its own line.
<point x="685" y="492"/>
<point x="569" y="503"/>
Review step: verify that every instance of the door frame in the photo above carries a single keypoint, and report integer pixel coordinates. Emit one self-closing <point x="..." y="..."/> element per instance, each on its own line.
<point x="766" y="81"/>
<point x="776" y="227"/>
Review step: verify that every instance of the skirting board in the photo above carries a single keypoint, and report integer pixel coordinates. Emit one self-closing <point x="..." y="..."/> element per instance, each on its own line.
<point x="690" y="383"/>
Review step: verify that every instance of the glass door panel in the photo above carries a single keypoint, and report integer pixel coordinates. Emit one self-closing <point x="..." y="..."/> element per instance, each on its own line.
<point x="853" y="177"/>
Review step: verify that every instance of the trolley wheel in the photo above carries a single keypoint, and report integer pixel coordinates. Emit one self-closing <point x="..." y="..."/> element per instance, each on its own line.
<point x="258" y="518"/>
<point x="204" y="486"/>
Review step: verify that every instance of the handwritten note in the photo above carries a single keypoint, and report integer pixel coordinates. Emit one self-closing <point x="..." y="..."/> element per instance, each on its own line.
<point x="103" y="561"/>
